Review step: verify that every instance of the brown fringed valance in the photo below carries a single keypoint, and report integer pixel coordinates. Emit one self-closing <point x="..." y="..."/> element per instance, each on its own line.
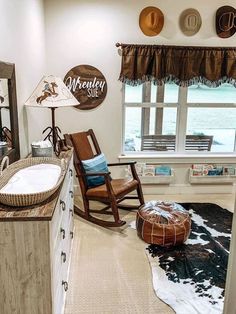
<point x="184" y="66"/>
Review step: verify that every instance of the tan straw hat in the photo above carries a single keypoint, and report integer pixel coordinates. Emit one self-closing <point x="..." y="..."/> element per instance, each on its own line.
<point x="190" y="22"/>
<point x="151" y="21"/>
<point x="226" y="21"/>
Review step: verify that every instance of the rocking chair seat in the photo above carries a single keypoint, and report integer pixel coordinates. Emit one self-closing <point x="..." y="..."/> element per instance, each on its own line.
<point x="120" y="187"/>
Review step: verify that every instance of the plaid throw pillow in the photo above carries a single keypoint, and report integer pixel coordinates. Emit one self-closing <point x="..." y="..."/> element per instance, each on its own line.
<point x="96" y="164"/>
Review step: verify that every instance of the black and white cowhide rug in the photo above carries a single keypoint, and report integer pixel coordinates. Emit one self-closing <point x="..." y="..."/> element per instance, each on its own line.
<point x="191" y="277"/>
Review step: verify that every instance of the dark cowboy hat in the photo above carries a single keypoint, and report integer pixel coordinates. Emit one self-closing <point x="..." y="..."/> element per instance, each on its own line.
<point x="226" y="21"/>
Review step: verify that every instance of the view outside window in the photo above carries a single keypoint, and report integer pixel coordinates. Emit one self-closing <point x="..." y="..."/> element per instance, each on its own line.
<point x="200" y="93"/>
<point x="132" y="129"/>
<point x="208" y="117"/>
<point x="218" y="122"/>
<point x="133" y="94"/>
<point x="171" y="93"/>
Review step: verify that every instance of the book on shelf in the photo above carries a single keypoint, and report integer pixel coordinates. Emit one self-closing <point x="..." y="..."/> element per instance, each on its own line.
<point x="228" y="170"/>
<point x="163" y="171"/>
<point x="139" y="168"/>
<point x="149" y="170"/>
<point x="210" y="170"/>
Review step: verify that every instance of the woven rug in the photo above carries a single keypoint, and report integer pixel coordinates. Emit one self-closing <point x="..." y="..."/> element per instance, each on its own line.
<point x="191" y="278"/>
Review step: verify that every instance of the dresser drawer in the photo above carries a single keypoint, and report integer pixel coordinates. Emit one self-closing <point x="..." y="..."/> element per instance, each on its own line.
<point x="63" y="212"/>
<point x="60" y="268"/>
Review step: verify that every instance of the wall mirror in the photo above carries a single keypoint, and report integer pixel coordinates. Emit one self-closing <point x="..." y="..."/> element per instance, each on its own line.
<point x="9" y="132"/>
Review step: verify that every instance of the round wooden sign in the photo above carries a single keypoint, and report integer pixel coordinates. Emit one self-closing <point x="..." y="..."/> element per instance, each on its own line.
<point x="88" y="85"/>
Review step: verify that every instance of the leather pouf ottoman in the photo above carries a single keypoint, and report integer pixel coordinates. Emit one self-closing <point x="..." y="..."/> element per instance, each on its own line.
<point x="163" y="223"/>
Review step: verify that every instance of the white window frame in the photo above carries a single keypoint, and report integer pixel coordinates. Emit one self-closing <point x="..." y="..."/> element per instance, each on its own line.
<point x="181" y="120"/>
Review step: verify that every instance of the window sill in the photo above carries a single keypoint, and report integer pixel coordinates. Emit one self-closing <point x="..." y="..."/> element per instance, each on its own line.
<point x="181" y="158"/>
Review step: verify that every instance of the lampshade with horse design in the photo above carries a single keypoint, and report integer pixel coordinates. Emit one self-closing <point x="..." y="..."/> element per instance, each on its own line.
<point x="52" y="93"/>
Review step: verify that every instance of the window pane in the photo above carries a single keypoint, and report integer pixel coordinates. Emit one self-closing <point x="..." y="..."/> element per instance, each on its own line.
<point x="153" y="93"/>
<point x="132" y="129"/>
<point x="225" y="93"/>
<point x="171" y="93"/>
<point x="169" y="121"/>
<point x="152" y="120"/>
<point x="217" y="122"/>
<point x="133" y="93"/>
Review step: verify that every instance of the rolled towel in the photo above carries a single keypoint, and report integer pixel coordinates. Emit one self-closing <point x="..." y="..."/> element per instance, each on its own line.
<point x="42" y="144"/>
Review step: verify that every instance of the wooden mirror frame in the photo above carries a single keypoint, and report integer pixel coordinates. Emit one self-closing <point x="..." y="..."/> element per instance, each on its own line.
<point x="7" y="71"/>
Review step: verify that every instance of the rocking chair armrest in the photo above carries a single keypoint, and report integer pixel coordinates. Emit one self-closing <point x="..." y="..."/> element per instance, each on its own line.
<point x="122" y="164"/>
<point x="88" y="174"/>
<point x="132" y="167"/>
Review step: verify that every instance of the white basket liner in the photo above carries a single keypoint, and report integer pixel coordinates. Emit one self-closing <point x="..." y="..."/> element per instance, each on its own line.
<point x="33" y="179"/>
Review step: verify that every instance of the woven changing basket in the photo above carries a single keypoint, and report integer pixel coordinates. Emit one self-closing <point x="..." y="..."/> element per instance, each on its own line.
<point x="163" y="223"/>
<point x="33" y="198"/>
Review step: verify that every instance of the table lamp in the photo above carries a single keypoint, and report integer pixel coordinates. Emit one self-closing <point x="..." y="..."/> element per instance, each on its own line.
<point x="52" y="93"/>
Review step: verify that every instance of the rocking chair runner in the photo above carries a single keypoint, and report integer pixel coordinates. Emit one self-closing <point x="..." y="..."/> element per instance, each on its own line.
<point x="112" y="192"/>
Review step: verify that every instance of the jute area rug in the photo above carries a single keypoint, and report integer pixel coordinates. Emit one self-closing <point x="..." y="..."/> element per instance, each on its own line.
<point x="191" y="278"/>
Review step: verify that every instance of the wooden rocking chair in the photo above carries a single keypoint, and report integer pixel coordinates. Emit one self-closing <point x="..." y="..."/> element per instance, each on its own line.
<point x="112" y="192"/>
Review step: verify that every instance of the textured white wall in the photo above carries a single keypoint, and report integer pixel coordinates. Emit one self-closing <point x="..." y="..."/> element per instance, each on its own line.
<point x="22" y="40"/>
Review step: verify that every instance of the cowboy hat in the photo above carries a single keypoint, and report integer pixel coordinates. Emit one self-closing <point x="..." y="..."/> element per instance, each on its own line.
<point x="226" y="21"/>
<point x="151" y="21"/>
<point x="190" y="22"/>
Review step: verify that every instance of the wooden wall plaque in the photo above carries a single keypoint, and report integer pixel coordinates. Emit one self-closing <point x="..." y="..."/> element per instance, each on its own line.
<point x="88" y="85"/>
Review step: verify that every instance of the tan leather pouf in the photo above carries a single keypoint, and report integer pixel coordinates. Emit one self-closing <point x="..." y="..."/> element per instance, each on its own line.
<point x="163" y="223"/>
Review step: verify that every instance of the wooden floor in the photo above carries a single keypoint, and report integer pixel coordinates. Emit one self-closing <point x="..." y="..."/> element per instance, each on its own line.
<point x="110" y="273"/>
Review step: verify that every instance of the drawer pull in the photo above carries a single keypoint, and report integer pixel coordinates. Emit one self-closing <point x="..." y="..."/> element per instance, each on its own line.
<point x="63" y="255"/>
<point x="72" y="234"/>
<point x="71" y="172"/>
<point x="71" y="194"/>
<point x="65" y="285"/>
<point x="63" y="205"/>
<point x="71" y="211"/>
<point x="63" y="232"/>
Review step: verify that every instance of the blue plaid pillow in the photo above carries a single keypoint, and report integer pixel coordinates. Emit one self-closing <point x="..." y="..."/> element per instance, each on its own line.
<point x="96" y="164"/>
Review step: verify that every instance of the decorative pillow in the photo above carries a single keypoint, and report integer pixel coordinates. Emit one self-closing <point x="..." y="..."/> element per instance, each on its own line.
<point x="96" y="164"/>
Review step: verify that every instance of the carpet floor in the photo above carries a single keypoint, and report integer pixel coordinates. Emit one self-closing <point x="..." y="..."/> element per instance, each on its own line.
<point x="110" y="273"/>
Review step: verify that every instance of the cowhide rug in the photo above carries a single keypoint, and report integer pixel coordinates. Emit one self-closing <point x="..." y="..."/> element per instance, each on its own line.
<point x="191" y="277"/>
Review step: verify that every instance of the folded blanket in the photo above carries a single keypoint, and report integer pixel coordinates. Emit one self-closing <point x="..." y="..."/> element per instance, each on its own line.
<point x="34" y="179"/>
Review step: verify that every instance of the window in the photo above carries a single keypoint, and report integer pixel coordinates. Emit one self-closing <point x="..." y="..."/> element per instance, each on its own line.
<point x="171" y="119"/>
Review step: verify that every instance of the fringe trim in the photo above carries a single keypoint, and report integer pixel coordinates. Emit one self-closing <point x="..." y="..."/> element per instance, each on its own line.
<point x="177" y="81"/>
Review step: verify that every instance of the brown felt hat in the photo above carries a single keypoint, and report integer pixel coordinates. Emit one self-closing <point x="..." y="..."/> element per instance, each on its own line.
<point x="151" y="21"/>
<point x="226" y="21"/>
<point x="190" y="22"/>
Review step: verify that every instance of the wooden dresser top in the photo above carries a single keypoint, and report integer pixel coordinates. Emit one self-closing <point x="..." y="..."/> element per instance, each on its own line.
<point x="42" y="211"/>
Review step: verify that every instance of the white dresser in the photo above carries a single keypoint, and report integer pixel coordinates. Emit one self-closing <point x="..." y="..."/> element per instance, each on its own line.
<point x="35" y="250"/>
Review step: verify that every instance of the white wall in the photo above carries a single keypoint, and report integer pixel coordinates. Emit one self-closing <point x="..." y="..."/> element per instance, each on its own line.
<point x="22" y="40"/>
<point x="85" y="32"/>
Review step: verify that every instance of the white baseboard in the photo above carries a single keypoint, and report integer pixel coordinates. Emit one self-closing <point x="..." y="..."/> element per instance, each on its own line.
<point x="188" y="189"/>
<point x="182" y="189"/>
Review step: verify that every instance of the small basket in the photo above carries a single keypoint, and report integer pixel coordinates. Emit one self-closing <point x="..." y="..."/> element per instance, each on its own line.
<point x="41" y="151"/>
<point x="33" y="198"/>
<point x="3" y="149"/>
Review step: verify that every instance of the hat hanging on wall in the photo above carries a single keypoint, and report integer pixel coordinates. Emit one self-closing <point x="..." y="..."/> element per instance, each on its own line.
<point x="226" y="21"/>
<point x="190" y="22"/>
<point x="151" y="21"/>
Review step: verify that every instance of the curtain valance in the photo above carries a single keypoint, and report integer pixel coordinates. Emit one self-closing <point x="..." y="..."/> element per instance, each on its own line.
<point x="184" y="66"/>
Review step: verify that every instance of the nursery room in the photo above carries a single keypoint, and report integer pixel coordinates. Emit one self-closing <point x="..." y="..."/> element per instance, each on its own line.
<point x="117" y="157"/>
